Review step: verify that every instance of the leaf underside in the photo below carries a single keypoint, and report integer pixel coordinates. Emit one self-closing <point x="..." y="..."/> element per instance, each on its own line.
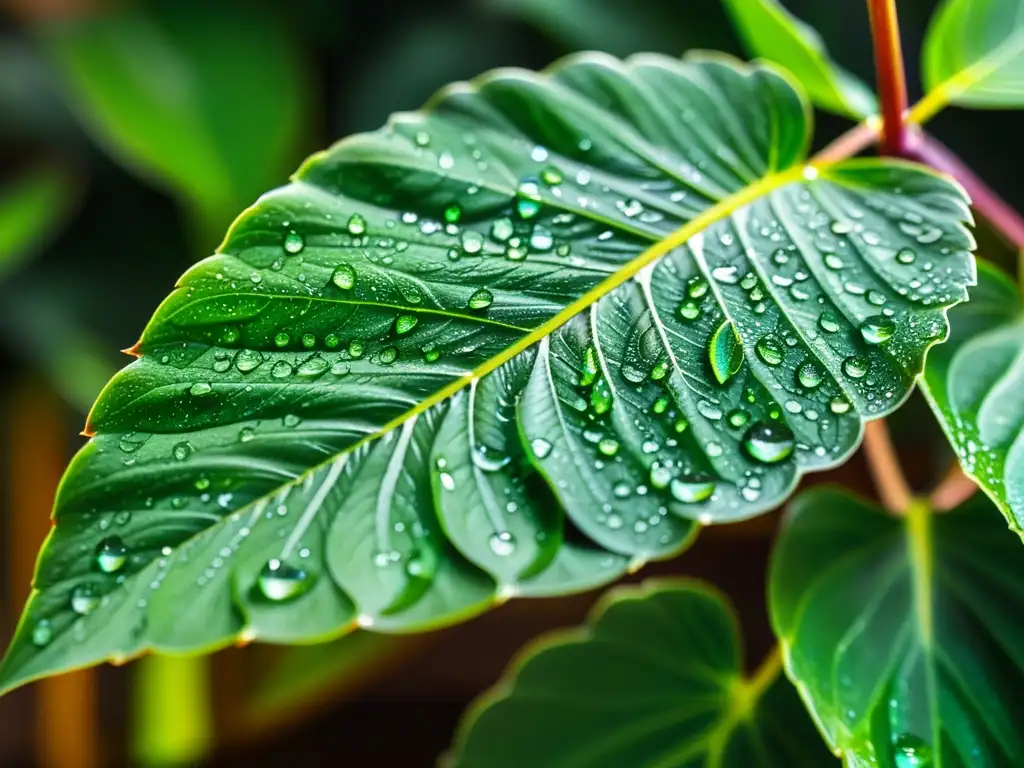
<point x="467" y="356"/>
<point x="903" y="635"/>
<point x="656" y="679"/>
<point x="974" y="383"/>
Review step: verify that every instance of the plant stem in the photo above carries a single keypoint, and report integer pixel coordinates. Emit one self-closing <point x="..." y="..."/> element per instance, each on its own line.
<point x="892" y="84"/>
<point x="848" y="144"/>
<point x="954" y="490"/>
<point x="893" y="490"/>
<point x="996" y="211"/>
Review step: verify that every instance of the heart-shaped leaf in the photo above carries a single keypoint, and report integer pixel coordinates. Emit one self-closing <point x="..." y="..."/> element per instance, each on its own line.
<point x="974" y="383"/>
<point x="772" y="32"/>
<point x="467" y="357"/>
<point x="974" y="56"/>
<point x="903" y="635"/>
<point x="655" y="679"/>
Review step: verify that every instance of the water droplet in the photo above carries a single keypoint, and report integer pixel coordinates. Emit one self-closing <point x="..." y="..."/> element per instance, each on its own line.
<point x="660" y="404"/>
<point x="540" y="447"/>
<point x="841" y="227"/>
<point x="738" y="418"/>
<point x="279" y="581"/>
<point x="308" y="340"/>
<point x="281" y="339"/>
<point x="839" y="405"/>
<point x="472" y="242"/>
<point x="696" y="287"/>
<point x="828" y="321"/>
<point x="833" y="262"/>
<point x="691" y="490"/>
<point x="768" y="443"/>
<point x="528" y="204"/>
<point x="42" y="633"/>
<point x="551" y="176"/>
<point x="906" y="256"/>
<point x="728" y="275"/>
<point x="422" y="138"/>
<point x="246" y="434"/>
<point x="909" y="751"/>
<point x="452" y="214"/>
<point x="293" y="242"/>
<point x="502" y="543"/>
<point x="248" y="360"/>
<point x="855" y="366"/>
<point x="601" y="397"/>
<point x="111" y="554"/>
<point x="769" y="350"/>
<point x="314" y="366"/>
<point x="445" y="161"/>
<point x="481" y="299"/>
<point x="608" y="446"/>
<point x="388" y="355"/>
<point x="689" y="310"/>
<point x="344" y="277"/>
<point x="405" y="323"/>
<point x="541" y="240"/>
<point x="200" y="388"/>
<point x="181" y="451"/>
<point x="281" y="370"/>
<point x="84" y="599"/>
<point x="877" y="329"/>
<point x="808" y="375"/>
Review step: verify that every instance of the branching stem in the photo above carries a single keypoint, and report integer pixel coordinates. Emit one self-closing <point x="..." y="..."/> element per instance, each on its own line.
<point x="954" y="490"/>
<point x="893" y="490"/>
<point x="892" y="84"/>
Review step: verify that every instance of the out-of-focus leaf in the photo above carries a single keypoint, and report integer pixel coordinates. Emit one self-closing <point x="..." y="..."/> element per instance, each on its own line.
<point x="974" y="56"/>
<point x="655" y="679"/>
<point x="975" y="384"/>
<point x="208" y="101"/>
<point x="172" y="718"/>
<point x="904" y="635"/>
<point x="31" y="210"/>
<point x="771" y="32"/>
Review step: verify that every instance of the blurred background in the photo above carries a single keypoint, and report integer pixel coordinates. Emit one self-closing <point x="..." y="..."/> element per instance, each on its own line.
<point x="131" y="134"/>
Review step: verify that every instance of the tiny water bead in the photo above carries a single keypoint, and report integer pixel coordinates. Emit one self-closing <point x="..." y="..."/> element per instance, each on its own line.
<point x="356" y="224"/>
<point x="502" y="230"/>
<point x="200" y="388"/>
<point x="308" y="340"/>
<point x="84" y="599"/>
<point x="540" y="447"/>
<point x="906" y="256"/>
<point x="111" y="554"/>
<point x="691" y="490"/>
<point x="481" y="299"/>
<point x="344" y="277"/>
<point x="279" y="581"/>
<point x="503" y="543"/>
<point x="248" y="360"/>
<point x="855" y="366"/>
<point x="405" y="323"/>
<point x="472" y="242"/>
<point x="738" y="418"/>
<point x="877" y="329"/>
<point x="314" y="366"/>
<point x="293" y="242"/>
<point x="828" y="321"/>
<point x="909" y="751"/>
<point x="808" y="375"/>
<point x="689" y="310"/>
<point x="769" y="350"/>
<point x="452" y="214"/>
<point x="696" y="287"/>
<point x="601" y="397"/>
<point x="181" y="451"/>
<point x="281" y="339"/>
<point x="281" y="370"/>
<point x="42" y="633"/>
<point x="608" y="446"/>
<point x="551" y="176"/>
<point x="528" y="204"/>
<point x="388" y="355"/>
<point x="839" y="405"/>
<point x="768" y="443"/>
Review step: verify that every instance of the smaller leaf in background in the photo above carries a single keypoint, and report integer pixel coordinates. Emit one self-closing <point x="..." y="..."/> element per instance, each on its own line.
<point x="31" y="209"/>
<point x="974" y="56"/>
<point x="973" y="383"/>
<point x="771" y="32"/>
<point x="656" y="679"/>
<point x="211" y="106"/>
<point x="904" y="634"/>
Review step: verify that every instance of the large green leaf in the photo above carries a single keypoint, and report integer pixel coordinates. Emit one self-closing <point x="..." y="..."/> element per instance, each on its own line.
<point x="974" y="382"/>
<point x="212" y="110"/>
<point x="770" y="31"/>
<point x="374" y="404"/>
<point x="655" y="679"/>
<point x="974" y="56"/>
<point x="904" y="635"/>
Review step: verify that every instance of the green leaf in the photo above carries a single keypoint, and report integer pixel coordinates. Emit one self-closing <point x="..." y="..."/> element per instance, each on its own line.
<point x="772" y="32"/>
<point x="903" y="634"/>
<point x="655" y="679"/>
<point x="973" y="383"/>
<point x="467" y="357"/>
<point x="212" y="110"/>
<point x="31" y="208"/>
<point x="974" y="56"/>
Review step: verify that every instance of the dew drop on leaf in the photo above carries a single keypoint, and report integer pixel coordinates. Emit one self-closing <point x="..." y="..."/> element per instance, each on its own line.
<point x="696" y="287"/>
<point x="502" y="543"/>
<point x="608" y="446"/>
<point x="388" y="355"/>
<point x="855" y="366"/>
<point x="42" y="633"/>
<point x="601" y="397"/>
<point x="200" y="388"/>
<point x="540" y="447"/>
<point x="502" y="230"/>
<point x="769" y="350"/>
<point x="355" y="348"/>
<point x="689" y="310"/>
<point x="281" y="339"/>
<point x="906" y="256"/>
<point x="877" y="329"/>
<point x="808" y="375"/>
<point x="768" y="443"/>
<point x="481" y="299"/>
<point x="279" y="581"/>
<point x="248" y="360"/>
<point x="405" y="323"/>
<point x="691" y="490"/>
<point x="344" y="277"/>
<point x="111" y="554"/>
<point x="738" y="418"/>
<point x="181" y="451"/>
<point x="314" y="366"/>
<point x="281" y="370"/>
<point x="839" y="405"/>
<point x="472" y="242"/>
<point x="84" y="599"/>
<point x="911" y="752"/>
<point x="828" y="321"/>
<point x="293" y="242"/>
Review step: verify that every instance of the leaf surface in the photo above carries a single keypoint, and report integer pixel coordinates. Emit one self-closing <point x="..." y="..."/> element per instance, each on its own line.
<point x="772" y="32"/>
<point x="903" y="635"/>
<point x="973" y="383"/>
<point x="467" y="357"/>
<point x="974" y="56"/>
<point x="655" y="679"/>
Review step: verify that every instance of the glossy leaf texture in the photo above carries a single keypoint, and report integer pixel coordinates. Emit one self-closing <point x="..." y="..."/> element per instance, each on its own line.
<point x="974" y="383"/>
<point x="770" y="31"/>
<point x="974" y="55"/>
<point x="655" y="679"/>
<point x="469" y="356"/>
<point x="904" y="634"/>
<point x="184" y="103"/>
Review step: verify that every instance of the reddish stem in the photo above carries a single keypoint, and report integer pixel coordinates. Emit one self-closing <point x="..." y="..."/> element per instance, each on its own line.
<point x="996" y="211"/>
<point x="892" y="84"/>
<point x="893" y="490"/>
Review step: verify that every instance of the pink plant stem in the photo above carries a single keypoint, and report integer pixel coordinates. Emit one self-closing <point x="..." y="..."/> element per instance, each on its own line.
<point x="892" y="84"/>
